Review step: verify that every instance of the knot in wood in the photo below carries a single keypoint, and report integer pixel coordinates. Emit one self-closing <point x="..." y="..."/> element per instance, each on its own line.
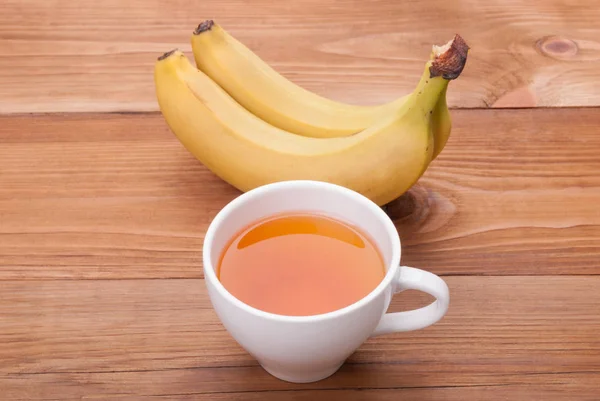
<point x="412" y="207"/>
<point x="557" y="48"/>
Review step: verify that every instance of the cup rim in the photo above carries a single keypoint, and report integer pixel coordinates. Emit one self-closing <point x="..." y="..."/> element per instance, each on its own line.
<point x="210" y="274"/>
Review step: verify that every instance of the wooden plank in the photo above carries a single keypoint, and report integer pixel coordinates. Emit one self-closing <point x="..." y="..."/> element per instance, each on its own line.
<point x="117" y="196"/>
<point x="82" y="338"/>
<point x="547" y="389"/>
<point x="98" y="56"/>
<point x="190" y="384"/>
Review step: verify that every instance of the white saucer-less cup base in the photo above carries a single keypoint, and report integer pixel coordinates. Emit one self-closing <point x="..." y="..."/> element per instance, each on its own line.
<point x="302" y="376"/>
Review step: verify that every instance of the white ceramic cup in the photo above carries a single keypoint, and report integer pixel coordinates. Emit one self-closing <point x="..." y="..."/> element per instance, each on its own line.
<point x="304" y="349"/>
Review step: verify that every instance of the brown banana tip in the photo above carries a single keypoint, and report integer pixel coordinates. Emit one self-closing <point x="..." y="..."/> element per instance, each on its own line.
<point x="450" y="59"/>
<point x="204" y="26"/>
<point x="167" y="54"/>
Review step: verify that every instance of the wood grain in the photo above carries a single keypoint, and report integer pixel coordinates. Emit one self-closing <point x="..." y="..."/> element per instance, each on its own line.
<point x="103" y="215"/>
<point x="189" y="384"/>
<point x="98" y="56"/>
<point x="85" y="338"/>
<point x="117" y="196"/>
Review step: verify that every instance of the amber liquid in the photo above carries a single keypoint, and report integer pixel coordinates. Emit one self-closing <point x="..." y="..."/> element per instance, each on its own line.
<point x="300" y="264"/>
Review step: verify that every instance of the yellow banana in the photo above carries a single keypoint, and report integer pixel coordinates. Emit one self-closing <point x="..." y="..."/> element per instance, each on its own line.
<point x="381" y="162"/>
<point x="280" y="102"/>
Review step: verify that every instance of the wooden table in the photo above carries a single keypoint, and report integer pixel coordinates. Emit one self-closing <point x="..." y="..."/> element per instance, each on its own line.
<point x="103" y="212"/>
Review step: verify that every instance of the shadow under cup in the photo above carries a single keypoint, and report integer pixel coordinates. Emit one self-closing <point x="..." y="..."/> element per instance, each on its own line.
<point x="301" y="348"/>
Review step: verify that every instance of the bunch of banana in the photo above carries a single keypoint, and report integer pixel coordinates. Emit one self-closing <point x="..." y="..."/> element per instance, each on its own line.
<point x="251" y="126"/>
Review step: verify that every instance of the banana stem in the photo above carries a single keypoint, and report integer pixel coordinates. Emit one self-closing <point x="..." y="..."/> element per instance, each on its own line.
<point x="167" y="54"/>
<point x="450" y="59"/>
<point x="447" y="63"/>
<point x="204" y="26"/>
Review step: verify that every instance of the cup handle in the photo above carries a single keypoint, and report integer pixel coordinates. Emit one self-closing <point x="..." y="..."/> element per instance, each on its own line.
<point x="410" y="278"/>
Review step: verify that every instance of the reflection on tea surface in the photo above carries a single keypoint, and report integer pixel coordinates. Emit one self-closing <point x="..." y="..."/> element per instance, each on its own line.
<point x="300" y="264"/>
